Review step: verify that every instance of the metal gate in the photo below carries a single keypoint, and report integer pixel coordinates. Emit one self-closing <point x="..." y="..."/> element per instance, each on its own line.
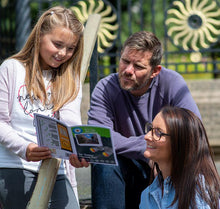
<point x="189" y="30"/>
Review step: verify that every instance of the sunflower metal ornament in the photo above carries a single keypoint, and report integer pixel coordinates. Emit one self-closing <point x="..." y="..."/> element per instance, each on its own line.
<point x="4" y="3"/>
<point x="194" y="25"/>
<point x="108" y="27"/>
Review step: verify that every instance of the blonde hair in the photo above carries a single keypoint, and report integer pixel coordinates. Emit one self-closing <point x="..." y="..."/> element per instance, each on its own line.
<point x="65" y="81"/>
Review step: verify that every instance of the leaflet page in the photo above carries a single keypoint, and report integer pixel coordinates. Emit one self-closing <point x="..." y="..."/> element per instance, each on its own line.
<point x="94" y="143"/>
<point x="54" y="134"/>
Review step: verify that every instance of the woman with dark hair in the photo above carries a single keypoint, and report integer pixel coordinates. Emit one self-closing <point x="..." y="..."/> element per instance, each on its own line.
<point x="187" y="177"/>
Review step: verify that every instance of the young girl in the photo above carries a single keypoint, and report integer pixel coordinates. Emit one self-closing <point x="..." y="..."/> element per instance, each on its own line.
<point x="44" y="77"/>
<point x="187" y="176"/>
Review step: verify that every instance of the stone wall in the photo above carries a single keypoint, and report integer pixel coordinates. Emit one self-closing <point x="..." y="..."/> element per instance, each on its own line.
<point x="206" y="93"/>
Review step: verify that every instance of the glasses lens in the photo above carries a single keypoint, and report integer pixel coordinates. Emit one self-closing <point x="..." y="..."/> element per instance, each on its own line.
<point x="156" y="134"/>
<point x="148" y="127"/>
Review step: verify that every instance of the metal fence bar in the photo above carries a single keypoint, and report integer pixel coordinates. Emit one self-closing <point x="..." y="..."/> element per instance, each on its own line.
<point x="23" y="23"/>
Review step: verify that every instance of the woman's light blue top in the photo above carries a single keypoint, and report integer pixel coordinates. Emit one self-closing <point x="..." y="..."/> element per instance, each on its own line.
<point x="152" y="198"/>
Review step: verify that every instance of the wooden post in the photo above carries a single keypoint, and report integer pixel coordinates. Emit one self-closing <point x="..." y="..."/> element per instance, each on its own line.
<point x="45" y="183"/>
<point x="49" y="167"/>
<point x="90" y="36"/>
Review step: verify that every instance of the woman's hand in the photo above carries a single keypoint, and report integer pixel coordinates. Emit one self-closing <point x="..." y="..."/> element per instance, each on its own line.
<point x="74" y="161"/>
<point x="36" y="153"/>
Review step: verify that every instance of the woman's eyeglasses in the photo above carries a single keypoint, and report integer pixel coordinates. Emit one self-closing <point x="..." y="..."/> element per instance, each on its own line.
<point x="155" y="132"/>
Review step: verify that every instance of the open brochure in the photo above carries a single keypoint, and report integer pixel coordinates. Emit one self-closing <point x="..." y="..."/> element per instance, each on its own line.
<point x="93" y="143"/>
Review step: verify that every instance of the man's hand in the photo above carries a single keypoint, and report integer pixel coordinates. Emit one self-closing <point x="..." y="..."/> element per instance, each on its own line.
<point x="36" y="153"/>
<point x="74" y="161"/>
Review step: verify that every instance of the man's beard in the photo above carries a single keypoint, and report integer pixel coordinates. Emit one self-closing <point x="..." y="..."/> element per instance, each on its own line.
<point x="136" y="86"/>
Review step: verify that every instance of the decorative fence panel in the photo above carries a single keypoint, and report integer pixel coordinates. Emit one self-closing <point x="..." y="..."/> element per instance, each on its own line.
<point x="189" y="30"/>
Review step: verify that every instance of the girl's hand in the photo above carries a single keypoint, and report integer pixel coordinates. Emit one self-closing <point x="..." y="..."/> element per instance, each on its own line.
<point x="36" y="153"/>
